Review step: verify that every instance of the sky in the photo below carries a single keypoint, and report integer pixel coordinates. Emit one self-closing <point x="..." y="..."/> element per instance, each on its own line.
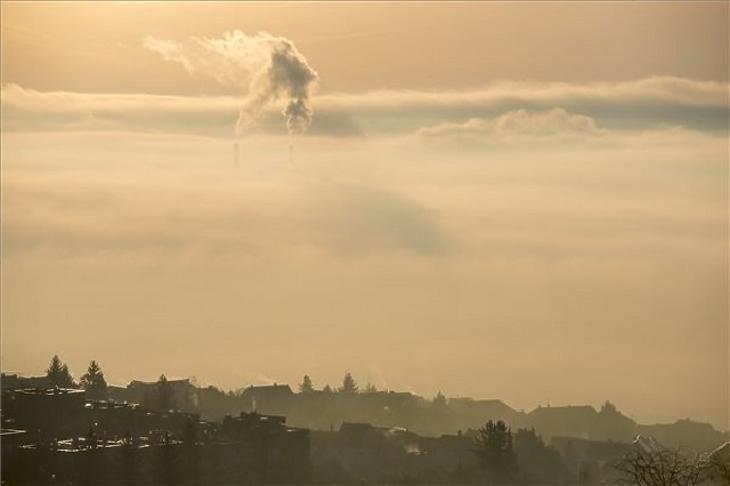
<point x="523" y="201"/>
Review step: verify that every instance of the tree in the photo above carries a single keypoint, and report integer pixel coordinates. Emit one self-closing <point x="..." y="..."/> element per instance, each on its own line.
<point x="493" y="448"/>
<point x="439" y="400"/>
<point x="613" y="425"/>
<point x="370" y="388"/>
<point x="327" y="389"/>
<point x="538" y="463"/>
<point x="58" y="374"/>
<point x="657" y="466"/>
<point x="609" y="407"/>
<point x="719" y="464"/>
<point x="165" y="394"/>
<point x="306" y="386"/>
<point x="93" y="381"/>
<point x="348" y="384"/>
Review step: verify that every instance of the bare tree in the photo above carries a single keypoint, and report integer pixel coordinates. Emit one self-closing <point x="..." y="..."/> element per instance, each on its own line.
<point x="661" y="467"/>
<point x="719" y="464"/>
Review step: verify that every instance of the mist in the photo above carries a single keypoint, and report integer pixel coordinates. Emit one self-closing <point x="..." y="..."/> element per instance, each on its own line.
<point x="540" y="258"/>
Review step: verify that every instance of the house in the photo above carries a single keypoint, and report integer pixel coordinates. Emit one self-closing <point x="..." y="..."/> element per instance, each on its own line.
<point x="590" y="461"/>
<point x="12" y="381"/>
<point x="184" y="392"/>
<point x="570" y="421"/>
<point x="267" y="448"/>
<point x="268" y="399"/>
<point x="54" y="410"/>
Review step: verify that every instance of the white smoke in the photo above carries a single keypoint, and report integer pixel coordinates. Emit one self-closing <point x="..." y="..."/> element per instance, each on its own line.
<point x="264" y="67"/>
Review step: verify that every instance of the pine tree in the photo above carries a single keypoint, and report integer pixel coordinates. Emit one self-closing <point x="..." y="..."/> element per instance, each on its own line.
<point x="165" y="394"/>
<point x="439" y="400"/>
<point x="493" y="448"/>
<point x="53" y="373"/>
<point x="93" y="381"/>
<point x="306" y="386"/>
<point x="58" y="374"/>
<point x="67" y="380"/>
<point x="348" y="384"/>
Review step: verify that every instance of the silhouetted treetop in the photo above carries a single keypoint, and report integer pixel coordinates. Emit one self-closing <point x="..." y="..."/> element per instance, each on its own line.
<point x="493" y="448"/>
<point x="165" y="394"/>
<point x="439" y="400"/>
<point x="93" y="381"/>
<point x="58" y="374"/>
<point x="306" y="386"/>
<point x="348" y="384"/>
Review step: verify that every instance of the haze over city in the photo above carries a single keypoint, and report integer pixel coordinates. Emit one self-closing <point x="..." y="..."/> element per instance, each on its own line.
<point x="525" y="202"/>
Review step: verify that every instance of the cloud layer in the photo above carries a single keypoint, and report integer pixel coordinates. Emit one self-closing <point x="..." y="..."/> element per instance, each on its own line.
<point x="518" y="123"/>
<point x="646" y="104"/>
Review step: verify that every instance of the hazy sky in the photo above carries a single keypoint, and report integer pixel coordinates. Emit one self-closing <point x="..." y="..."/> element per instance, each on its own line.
<point x="516" y="201"/>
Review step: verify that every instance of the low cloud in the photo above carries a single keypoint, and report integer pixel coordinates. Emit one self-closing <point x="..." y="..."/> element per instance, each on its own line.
<point x="519" y="123"/>
<point x="645" y="104"/>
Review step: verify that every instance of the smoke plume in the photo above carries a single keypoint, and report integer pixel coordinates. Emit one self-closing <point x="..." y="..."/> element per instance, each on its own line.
<point x="266" y="68"/>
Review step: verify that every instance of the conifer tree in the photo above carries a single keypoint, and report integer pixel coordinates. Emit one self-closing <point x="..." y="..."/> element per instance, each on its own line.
<point x="306" y="386"/>
<point x="493" y="448"/>
<point x="348" y="384"/>
<point x="165" y="394"/>
<point x="93" y="381"/>
<point x="58" y="374"/>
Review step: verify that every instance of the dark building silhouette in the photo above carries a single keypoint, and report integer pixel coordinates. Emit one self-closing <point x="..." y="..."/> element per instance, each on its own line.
<point x="271" y="399"/>
<point x="570" y="420"/>
<point x="184" y="393"/>
<point x="60" y="435"/>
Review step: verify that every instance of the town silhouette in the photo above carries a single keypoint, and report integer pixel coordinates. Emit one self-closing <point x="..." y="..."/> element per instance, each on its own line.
<point x="57" y="430"/>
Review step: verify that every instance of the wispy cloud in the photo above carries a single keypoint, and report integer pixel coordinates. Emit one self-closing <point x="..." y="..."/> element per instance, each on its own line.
<point x="514" y="124"/>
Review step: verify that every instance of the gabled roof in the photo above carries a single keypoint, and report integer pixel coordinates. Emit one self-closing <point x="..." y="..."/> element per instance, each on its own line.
<point x="567" y="410"/>
<point x="274" y="389"/>
<point x="144" y="384"/>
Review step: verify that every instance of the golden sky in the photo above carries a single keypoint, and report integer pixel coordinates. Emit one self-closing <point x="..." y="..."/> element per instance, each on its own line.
<point x="362" y="47"/>
<point x="525" y="201"/>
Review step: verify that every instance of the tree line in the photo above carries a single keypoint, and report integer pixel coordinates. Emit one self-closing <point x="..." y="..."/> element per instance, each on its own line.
<point x="349" y="386"/>
<point x="93" y="381"/>
<point x="58" y="375"/>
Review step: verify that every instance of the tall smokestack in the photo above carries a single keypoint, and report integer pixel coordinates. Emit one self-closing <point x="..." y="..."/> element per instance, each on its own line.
<point x="235" y="155"/>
